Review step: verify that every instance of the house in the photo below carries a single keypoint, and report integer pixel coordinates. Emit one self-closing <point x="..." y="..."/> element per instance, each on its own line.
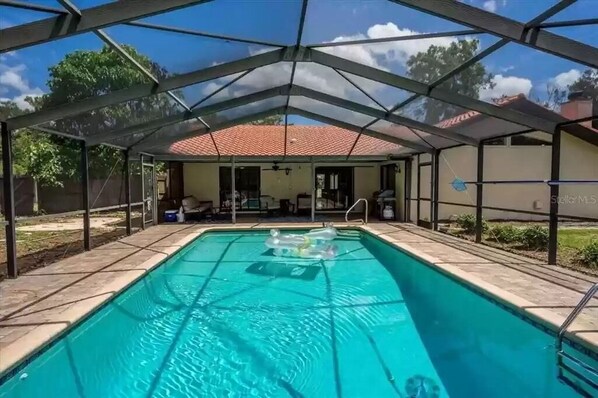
<point x="277" y="163"/>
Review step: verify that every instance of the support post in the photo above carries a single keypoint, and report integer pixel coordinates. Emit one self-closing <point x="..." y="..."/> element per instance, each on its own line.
<point x="143" y="205"/>
<point x="85" y="190"/>
<point x="407" y="190"/>
<point x="313" y="191"/>
<point x="479" y="194"/>
<point x="9" y="203"/>
<point x="233" y="190"/>
<point x="419" y="174"/>
<point x="435" y="189"/>
<point x="127" y="168"/>
<point x="154" y="193"/>
<point x="555" y="172"/>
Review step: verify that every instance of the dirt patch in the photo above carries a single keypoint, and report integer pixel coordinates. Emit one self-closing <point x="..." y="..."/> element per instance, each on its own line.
<point x="41" y="242"/>
<point x="71" y="224"/>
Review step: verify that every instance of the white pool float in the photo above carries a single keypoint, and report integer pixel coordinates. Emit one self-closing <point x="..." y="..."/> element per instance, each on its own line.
<point x="309" y="245"/>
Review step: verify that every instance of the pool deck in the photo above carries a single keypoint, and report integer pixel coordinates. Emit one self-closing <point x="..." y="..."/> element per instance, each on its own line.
<point x="40" y="305"/>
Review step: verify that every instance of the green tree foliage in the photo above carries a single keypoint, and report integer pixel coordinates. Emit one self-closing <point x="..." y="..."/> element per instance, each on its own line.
<point x="587" y="83"/>
<point x="434" y="63"/>
<point x="80" y="75"/>
<point x="9" y="109"/>
<point x="268" y="121"/>
<point x="36" y="155"/>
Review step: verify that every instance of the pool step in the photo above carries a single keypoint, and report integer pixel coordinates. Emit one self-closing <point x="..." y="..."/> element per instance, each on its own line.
<point x="582" y="371"/>
<point x="566" y="363"/>
<point x="578" y="375"/>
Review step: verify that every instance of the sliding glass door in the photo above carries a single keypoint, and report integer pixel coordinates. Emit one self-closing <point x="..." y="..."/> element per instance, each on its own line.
<point x="334" y="188"/>
<point x="247" y="187"/>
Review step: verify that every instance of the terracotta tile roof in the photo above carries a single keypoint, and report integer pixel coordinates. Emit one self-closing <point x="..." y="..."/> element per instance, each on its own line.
<point x="463" y="117"/>
<point x="302" y="140"/>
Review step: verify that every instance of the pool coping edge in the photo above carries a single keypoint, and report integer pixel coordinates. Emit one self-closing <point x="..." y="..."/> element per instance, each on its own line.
<point x="527" y="309"/>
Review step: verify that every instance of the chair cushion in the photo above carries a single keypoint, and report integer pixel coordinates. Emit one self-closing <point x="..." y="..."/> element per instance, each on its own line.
<point x="190" y="203"/>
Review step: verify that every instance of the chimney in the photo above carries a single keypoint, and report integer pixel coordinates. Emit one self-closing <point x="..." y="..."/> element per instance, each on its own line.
<point x="580" y="105"/>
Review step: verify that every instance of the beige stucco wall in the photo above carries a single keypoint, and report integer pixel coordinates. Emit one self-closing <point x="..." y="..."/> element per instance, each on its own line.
<point x="579" y="160"/>
<point x="202" y="179"/>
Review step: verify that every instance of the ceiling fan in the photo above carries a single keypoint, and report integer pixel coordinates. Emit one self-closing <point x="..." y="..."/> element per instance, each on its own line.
<point x="276" y="167"/>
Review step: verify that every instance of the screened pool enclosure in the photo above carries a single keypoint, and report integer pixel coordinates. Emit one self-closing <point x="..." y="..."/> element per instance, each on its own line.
<point x="216" y="64"/>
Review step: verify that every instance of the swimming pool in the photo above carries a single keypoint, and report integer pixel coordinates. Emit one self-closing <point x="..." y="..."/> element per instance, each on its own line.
<point x="224" y="317"/>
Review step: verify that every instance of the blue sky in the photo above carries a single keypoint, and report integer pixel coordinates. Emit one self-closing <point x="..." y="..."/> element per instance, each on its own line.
<point x="516" y="68"/>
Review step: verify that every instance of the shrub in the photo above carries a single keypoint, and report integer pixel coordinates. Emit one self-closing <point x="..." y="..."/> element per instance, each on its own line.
<point x="505" y="233"/>
<point x="467" y="223"/>
<point x="534" y="237"/>
<point x="588" y="255"/>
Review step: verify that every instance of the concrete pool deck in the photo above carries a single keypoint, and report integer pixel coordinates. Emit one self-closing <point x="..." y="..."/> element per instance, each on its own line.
<point x="40" y="305"/>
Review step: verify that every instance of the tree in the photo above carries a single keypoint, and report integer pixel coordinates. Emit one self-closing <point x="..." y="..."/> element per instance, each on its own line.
<point x="269" y="120"/>
<point x="34" y="154"/>
<point x="434" y="63"/>
<point x="85" y="74"/>
<point x="587" y="83"/>
<point x="555" y="96"/>
<point x="9" y="109"/>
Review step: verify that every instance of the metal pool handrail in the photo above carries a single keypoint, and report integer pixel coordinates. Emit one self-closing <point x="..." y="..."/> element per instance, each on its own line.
<point x="561" y="354"/>
<point x="578" y="308"/>
<point x="352" y="207"/>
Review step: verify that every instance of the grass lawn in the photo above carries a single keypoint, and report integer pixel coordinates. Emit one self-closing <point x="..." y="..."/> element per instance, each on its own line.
<point x="571" y="241"/>
<point x="576" y="238"/>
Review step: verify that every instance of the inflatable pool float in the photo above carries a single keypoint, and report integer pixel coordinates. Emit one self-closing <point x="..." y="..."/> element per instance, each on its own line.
<point x="313" y="244"/>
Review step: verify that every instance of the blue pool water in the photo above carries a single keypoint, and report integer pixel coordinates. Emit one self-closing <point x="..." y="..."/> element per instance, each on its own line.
<point x="224" y="317"/>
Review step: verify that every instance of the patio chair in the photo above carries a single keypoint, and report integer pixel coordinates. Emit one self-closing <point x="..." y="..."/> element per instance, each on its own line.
<point x="269" y="205"/>
<point x="194" y="208"/>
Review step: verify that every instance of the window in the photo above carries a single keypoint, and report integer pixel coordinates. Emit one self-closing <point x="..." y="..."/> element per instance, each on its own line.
<point x="334" y="188"/>
<point x="387" y="177"/>
<point x="247" y="187"/>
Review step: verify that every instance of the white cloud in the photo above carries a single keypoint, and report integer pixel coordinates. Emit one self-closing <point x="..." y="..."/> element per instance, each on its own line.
<point x="506" y="85"/>
<point x="565" y="79"/>
<point x="507" y="68"/>
<point x="389" y="56"/>
<point x="4" y="57"/>
<point x="375" y="54"/>
<point x="11" y="79"/>
<point x="490" y="5"/>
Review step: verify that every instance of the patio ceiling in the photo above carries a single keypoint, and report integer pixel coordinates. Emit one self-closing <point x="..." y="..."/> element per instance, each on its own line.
<point x="285" y="64"/>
